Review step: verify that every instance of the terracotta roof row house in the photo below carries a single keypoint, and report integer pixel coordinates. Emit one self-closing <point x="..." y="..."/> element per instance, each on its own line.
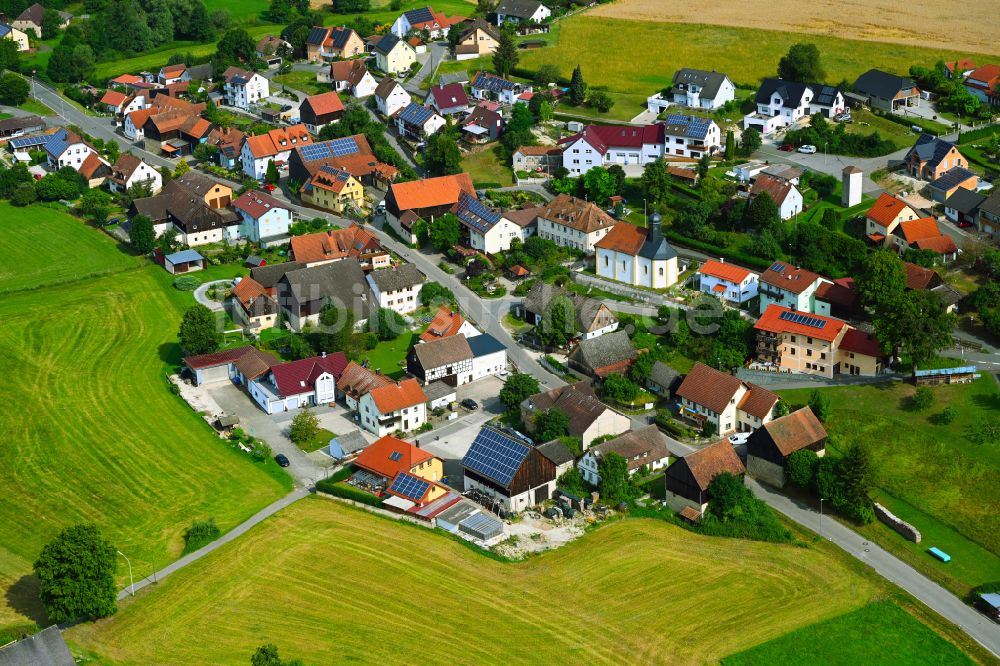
<point x="356" y="381"/>
<point x="727" y="281"/>
<point x="275" y="145"/>
<point x="398" y="406"/>
<point x="255" y="309"/>
<point x="337" y="244"/>
<point x="984" y="83"/>
<point x="729" y="403"/>
<point x="589" y="418"/>
<point x="790" y="341"/>
<point x="645" y="448"/>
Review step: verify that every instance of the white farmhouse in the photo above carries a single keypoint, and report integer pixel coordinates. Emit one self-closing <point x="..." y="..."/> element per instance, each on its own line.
<point x="489" y="356"/>
<point x="243" y="88"/>
<point x="781" y="103"/>
<point x="785" y="195"/>
<point x="728" y="281"/>
<point x="390" y="97"/>
<point x="393" y="55"/>
<point x="700" y="89"/>
<point x="690" y="136"/>
<point x="397" y="288"/>
<point x="489" y="231"/>
<point x="304" y="383"/>
<point x="418" y="122"/>
<point x="727" y="402"/>
<point x="573" y="222"/>
<point x="640" y="257"/>
<point x="130" y="170"/>
<point x="393" y="407"/>
<point x="263" y="218"/>
<point x="521" y="11"/>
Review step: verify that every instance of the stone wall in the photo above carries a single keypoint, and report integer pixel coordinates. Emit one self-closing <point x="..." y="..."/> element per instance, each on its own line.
<point x="908" y="531"/>
<point x="766" y="471"/>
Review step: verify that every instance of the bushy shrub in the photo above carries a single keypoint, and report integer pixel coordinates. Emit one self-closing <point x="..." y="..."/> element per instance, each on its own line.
<point x="200" y="533"/>
<point x="186" y="283"/>
<point x="923" y="398"/>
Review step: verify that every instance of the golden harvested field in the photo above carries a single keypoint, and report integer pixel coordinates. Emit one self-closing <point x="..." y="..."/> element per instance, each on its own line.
<point x="331" y="584"/>
<point x="969" y="27"/>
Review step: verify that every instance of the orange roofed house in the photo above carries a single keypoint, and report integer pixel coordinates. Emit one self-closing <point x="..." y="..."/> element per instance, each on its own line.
<point x="276" y="145"/>
<point x="406" y="471"/>
<point x="729" y="403"/>
<point x="789" y="341"/>
<point x="352" y="154"/>
<point x="393" y="407"/>
<point x="423" y="199"/>
<point x="253" y="307"/>
<point x="923" y="234"/>
<point x="448" y="323"/>
<point x="728" y="281"/>
<point x="328" y="246"/>
<point x="984" y="83"/>
<point x="333" y="189"/>
<point x="769" y="447"/>
<point x="885" y="215"/>
<point x="318" y="111"/>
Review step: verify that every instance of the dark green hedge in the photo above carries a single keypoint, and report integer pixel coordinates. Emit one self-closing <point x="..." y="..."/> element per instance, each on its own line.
<point x="338" y="489"/>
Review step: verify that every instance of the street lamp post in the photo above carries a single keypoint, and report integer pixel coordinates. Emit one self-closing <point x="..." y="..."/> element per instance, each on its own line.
<point x="130" y="579"/>
<point x="821" y="533"/>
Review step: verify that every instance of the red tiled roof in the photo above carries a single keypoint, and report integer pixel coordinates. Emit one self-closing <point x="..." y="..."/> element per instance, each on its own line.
<point x="300" y="376"/>
<point x="859" y="342"/>
<point x="449" y="96"/>
<point x="838" y="293"/>
<point x="216" y="358"/>
<point x="624" y="238"/>
<point x="990" y="74"/>
<point x="356" y="380"/>
<point x="278" y="140"/>
<point x="247" y="291"/>
<point x="795" y="431"/>
<point x="771" y="321"/>
<point x="714" y="389"/>
<point x="918" y="277"/>
<point x="775" y="188"/>
<point x="389" y="456"/>
<point x="577" y="214"/>
<point x="431" y="192"/>
<point x="328" y="102"/>
<point x="789" y="278"/>
<point x="394" y="397"/>
<point x="960" y="65"/>
<point x="707" y="463"/>
<point x="352" y="241"/>
<point x="723" y="271"/>
<point x="127" y="79"/>
<point x="445" y="324"/>
<point x="256" y="203"/>
<point x="719" y="288"/>
<point x="114" y="98"/>
<point x="939" y="244"/>
<point x="885" y="209"/>
<point x="606" y="137"/>
<point x="919" y="229"/>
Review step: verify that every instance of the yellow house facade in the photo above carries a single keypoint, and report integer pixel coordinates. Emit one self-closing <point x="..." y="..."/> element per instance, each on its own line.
<point x="333" y="189"/>
<point x="17" y="36"/>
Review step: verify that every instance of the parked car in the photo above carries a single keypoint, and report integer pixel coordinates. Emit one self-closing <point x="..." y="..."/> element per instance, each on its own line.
<point x="964" y="224"/>
<point x="844" y="117"/>
<point x="282" y="460"/>
<point x="469" y="403"/>
<point x="787" y="147"/>
<point x="270" y="187"/>
<point x="739" y="438"/>
<point x="808" y="149"/>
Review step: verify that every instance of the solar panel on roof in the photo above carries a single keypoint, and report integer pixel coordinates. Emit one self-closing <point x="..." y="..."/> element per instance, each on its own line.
<point x="420" y="15"/>
<point x="778" y="268"/>
<point x="345" y="146"/>
<point x="803" y="319"/>
<point x="395" y="456"/>
<point x="495" y="455"/>
<point x="410" y="486"/>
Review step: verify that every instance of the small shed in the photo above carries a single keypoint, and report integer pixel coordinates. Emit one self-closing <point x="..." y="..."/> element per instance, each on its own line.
<point x="184" y="261"/>
<point x="482" y="526"/>
<point x="253" y="261"/>
<point x="518" y="272"/>
<point x="961" y="375"/>
<point x="440" y="394"/>
<point x="347" y="445"/>
<point x="989" y="604"/>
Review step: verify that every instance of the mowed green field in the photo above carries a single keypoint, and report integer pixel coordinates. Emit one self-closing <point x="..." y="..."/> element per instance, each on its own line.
<point x="634" y="59"/>
<point x="889" y="637"/>
<point x="933" y="475"/>
<point x="42" y="246"/>
<point x="90" y="432"/>
<point x="330" y="583"/>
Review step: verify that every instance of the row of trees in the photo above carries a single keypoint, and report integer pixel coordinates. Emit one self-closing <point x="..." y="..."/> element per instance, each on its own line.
<point x="845" y="482"/>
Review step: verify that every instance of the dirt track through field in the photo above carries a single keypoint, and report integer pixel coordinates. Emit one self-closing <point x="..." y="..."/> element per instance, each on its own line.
<point x="970" y="26"/>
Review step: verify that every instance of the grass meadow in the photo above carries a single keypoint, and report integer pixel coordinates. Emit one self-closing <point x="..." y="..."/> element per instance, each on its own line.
<point x="322" y="579"/>
<point x="90" y="433"/>
<point x="44" y="246"/>
<point x="939" y="477"/>
<point x="891" y="637"/>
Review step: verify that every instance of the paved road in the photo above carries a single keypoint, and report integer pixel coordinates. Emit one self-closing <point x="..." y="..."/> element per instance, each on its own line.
<point x="947" y="605"/>
<point x="436" y="51"/>
<point x="231" y="535"/>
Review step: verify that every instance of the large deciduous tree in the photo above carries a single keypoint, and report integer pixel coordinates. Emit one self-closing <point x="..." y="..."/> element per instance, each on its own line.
<point x="615" y="486"/>
<point x="518" y="387"/>
<point x="76" y="575"/>
<point x="801" y="64"/>
<point x="199" y="332"/>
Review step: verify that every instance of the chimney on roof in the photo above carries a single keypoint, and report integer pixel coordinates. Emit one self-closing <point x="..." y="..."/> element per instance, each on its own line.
<point x="323" y="355"/>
